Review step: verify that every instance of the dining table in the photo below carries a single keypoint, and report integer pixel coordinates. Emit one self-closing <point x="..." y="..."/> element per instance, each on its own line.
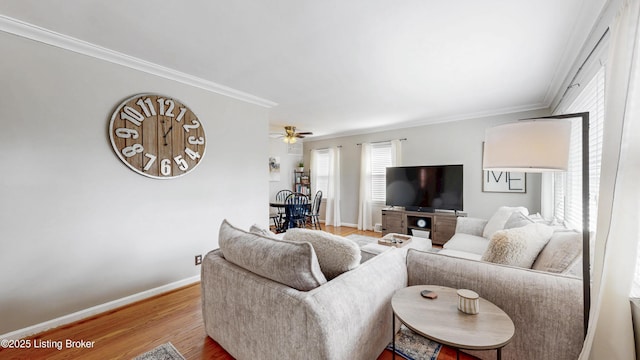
<point x="290" y="222"/>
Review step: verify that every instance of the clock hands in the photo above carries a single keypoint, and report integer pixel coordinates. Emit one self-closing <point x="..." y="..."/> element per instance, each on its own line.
<point x="164" y="136"/>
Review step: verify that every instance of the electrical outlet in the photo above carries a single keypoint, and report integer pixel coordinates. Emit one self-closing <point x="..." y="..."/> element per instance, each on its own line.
<point x="198" y="259"/>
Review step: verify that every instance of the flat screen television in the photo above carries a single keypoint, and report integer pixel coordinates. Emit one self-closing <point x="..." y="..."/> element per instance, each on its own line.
<point x="425" y="188"/>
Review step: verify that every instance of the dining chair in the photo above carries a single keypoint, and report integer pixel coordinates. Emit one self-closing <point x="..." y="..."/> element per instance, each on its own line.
<point x="296" y="209"/>
<point x="278" y="215"/>
<point x="313" y="214"/>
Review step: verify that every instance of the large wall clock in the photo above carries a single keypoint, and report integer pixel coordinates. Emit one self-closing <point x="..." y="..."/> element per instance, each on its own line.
<point x="157" y="136"/>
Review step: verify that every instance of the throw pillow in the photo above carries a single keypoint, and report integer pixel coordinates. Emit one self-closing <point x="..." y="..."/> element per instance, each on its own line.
<point x="517" y="219"/>
<point x="562" y="251"/>
<point x="336" y="254"/>
<point x="518" y="246"/>
<point x="290" y="263"/>
<point x="497" y="221"/>
<point x="256" y="229"/>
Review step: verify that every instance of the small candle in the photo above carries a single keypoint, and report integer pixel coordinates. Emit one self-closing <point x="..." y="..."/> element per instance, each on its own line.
<point x="468" y="301"/>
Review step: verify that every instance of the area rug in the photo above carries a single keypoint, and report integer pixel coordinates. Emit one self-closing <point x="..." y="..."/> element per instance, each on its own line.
<point x="165" y="351"/>
<point x="362" y="240"/>
<point x="412" y="346"/>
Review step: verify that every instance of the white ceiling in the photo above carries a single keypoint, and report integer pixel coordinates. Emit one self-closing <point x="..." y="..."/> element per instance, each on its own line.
<point x="339" y="67"/>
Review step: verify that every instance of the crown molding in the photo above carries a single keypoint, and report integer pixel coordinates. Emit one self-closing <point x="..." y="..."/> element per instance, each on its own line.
<point x="432" y="121"/>
<point x="579" y="45"/>
<point x="49" y="37"/>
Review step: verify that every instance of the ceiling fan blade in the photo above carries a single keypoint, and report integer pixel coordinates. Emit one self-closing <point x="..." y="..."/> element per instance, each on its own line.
<point x="276" y="135"/>
<point x="305" y="133"/>
<point x="299" y="136"/>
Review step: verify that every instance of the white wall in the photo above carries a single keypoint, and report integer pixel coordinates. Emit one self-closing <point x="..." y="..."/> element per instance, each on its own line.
<point x="289" y="160"/>
<point x="77" y="227"/>
<point x="457" y="142"/>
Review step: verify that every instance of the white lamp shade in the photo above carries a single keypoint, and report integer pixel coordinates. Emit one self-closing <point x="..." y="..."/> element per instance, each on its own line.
<point x="528" y="146"/>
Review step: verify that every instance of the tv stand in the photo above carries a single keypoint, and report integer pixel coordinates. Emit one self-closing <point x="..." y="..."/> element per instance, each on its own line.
<point x="420" y="209"/>
<point x="441" y="225"/>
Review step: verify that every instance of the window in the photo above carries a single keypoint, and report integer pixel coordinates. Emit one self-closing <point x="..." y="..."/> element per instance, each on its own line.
<point x="567" y="187"/>
<point x="380" y="160"/>
<point x="320" y="171"/>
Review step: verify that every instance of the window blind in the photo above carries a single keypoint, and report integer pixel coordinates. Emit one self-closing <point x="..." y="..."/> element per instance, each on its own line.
<point x="380" y="160"/>
<point x="568" y="185"/>
<point x="321" y="171"/>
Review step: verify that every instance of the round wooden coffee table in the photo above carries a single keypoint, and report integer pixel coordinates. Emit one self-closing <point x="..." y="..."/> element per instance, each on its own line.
<point x="441" y="321"/>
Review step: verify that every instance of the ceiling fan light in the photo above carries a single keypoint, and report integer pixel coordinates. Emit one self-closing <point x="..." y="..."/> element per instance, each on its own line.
<point x="289" y="139"/>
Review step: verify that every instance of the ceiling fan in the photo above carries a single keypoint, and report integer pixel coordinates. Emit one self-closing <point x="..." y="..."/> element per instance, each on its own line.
<point x="290" y="135"/>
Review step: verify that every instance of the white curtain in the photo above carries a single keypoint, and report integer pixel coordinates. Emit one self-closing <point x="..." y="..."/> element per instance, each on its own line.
<point x="547" y="208"/>
<point x="365" y="221"/>
<point x="396" y="152"/>
<point x="610" y="334"/>
<point x="332" y="212"/>
<point x="366" y="204"/>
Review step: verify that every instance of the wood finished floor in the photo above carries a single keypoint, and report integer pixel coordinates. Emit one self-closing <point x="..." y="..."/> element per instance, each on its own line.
<point x="131" y="330"/>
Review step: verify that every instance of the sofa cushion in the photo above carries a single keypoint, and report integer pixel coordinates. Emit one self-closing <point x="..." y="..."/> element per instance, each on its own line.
<point x="460" y="254"/>
<point x="291" y="263"/>
<point x="467" y="243"/>
<point x="561" y="252"/>
<point x="518" y="246"/>
<point x="336" y="254"/>
<point x="497" y="221"/>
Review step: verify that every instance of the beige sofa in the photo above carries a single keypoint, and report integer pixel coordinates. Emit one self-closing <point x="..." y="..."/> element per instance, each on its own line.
<point x="268" y="299"/>
<point x="546" y="308"/>
<point x="256" y="317"/>
<point x="562" y="254"/>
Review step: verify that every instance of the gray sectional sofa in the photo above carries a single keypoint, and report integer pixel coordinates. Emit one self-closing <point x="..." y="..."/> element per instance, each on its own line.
<point x="546" y="308"/>
<point x="256" y="317"/>
<point x="265" y="298"/>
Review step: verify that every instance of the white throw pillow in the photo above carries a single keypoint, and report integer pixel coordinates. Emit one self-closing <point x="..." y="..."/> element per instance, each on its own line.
<point x="336" y="254"/>
<point x="518" y="246"/>
<point x="497" y="221"/>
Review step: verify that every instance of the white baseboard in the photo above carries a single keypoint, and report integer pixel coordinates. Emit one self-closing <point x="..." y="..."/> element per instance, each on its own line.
<point x="83" y="314"/>
<point x="341" y="224"/>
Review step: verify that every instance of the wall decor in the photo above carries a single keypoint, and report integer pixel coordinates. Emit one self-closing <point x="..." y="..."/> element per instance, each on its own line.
<point x="503" y="181"/>
<point x="157" y="136"/>
<point x="274" y="168"/>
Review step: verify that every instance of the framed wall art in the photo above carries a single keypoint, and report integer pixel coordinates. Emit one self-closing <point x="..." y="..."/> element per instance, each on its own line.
<point x="504" y="181"/>
<point x="274" y="168"/>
